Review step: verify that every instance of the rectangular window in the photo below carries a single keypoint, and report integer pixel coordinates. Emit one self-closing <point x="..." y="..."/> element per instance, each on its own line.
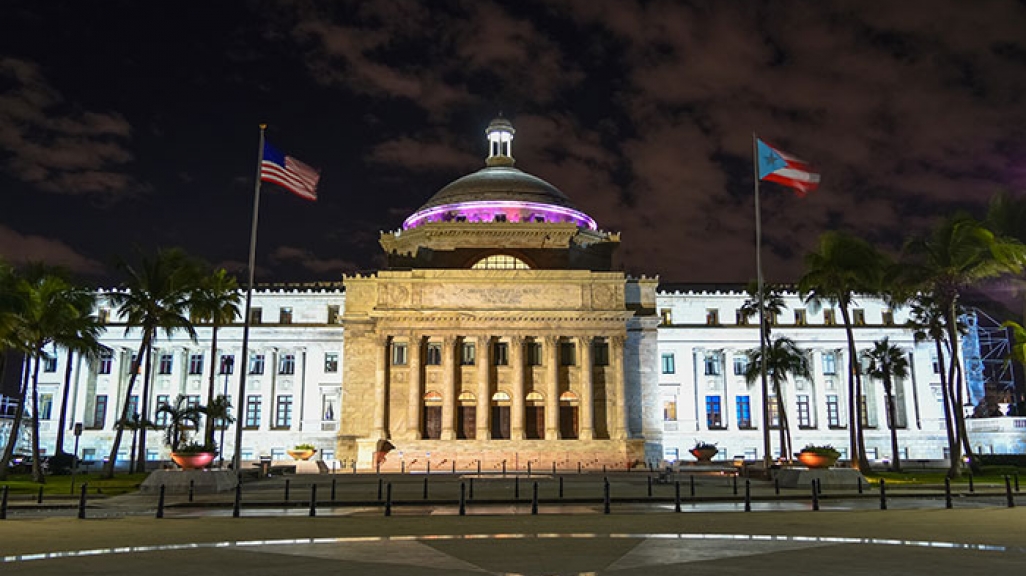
<point x="829" y="319"/>
<point x="740" y="365"/>
<point x="740" y="318"/>
<point x="467" y="351"/>
<point x="106" y="359"/>
<point x="670" y="410"/>
<point x="666" y="316"/>
<point x="668" y="364"/>
<point x="712" y="317"/>
<point x="220" y="423"/>
<point x="833" y="411"/>
<point x="161" y="418"/>
<point x="600" y="353"/>
<point x="45" y="406"/>
<point x="567" y="354"/>
<point x="283" y="411"/>
<point x="253" y="411"/>
<point x="888" y="317"/>
<point x="133" y="405"/>
<point x="433" y="354"/>
<point x="192" y="401"/>
<point x="800" y="318"/>
<point x="744" y="412"/>
<point x="165" y="364"/>
<point x="804" y="411"/>
<point x="333" y="313"/>
<point x="774" y="411"/>
<point x="100" y="412"/>
<point x="399" y="353"/>
<point x="135" y="364"/>
<point x="285" y="315"/>
<point x="227" y="364"/>
<point x="103" y="315"/>
<point x="867" y="422"/>
<point x="287" y="364"/>
<point x="195" y="364"/>
<point x="829" y="363"/>
<point x="50" y="364"/>
<point x="256" y="363"/>
<point x="712" y="365"/>
<point x="858" y="317"/>
<point x="256" y="315"/>
<point x="713" y="412"/>
<point x="534" y="354"/>
<point x="501" y="352"/>
<point x="330" y="362"/>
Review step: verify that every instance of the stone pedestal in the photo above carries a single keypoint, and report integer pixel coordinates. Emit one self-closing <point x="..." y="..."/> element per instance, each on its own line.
<point x="177" y="481"/>
<point x="828" y="477"/>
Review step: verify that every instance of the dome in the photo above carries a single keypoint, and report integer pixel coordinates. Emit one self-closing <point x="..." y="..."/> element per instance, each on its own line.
<point x="499" y="192"/>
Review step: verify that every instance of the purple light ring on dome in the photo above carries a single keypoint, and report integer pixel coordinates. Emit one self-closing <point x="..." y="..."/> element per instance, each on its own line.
<point x="485" y="210"/>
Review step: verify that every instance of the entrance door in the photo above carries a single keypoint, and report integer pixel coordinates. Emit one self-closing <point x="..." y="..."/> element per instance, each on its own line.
<point x="466" y="426"/>
<point x="432" y="422"/>
<point x="500" y="422"/>
<point x="568" y="422"/>
<point x="534" y="425"/>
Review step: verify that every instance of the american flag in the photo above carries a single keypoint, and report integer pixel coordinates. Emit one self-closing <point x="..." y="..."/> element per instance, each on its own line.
<point x="289" y="173"/>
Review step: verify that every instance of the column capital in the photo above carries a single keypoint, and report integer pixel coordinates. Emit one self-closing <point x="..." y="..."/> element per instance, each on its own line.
<point x="550" y="340"/>
<point x="586" y="339"/>
<point x="618" y="339"/>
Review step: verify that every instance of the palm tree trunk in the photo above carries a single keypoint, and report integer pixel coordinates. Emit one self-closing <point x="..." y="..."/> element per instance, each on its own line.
<point x="854" y="407"/>
<point x="144" y="408"/>
<point x="119" y="429"/>
<point x="955" y="386"/>
<point x="949" y="420"/>
<point x="208" y="430"/>
<point x="19" y="414"/>
<point x="892" y="423"/>
<point x="37" y="468"/>
<point x="62" y="418"/>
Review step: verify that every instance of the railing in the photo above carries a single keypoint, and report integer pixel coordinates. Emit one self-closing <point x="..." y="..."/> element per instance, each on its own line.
<point x="999" y="424"/>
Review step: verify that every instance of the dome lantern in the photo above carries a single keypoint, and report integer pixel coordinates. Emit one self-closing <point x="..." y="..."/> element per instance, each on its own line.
<point x="500" y="142"/>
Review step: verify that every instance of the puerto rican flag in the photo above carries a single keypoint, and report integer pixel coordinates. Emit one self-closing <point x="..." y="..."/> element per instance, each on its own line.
<point x="783" y="168"/>
<point x="289" y="173"/>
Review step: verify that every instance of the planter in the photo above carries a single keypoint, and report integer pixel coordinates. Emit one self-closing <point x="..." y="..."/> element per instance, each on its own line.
<point x="193" y="460"/>
<point x="814" y="460"/>
<point x="704" y="454"/>
<point x="301" y="454"/>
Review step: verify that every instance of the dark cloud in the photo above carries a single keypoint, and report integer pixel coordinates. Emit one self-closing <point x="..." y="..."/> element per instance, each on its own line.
<point x="19" y="249"/>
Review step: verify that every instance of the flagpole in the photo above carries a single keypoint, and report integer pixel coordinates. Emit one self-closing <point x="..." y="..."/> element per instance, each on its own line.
<point x="762" y="313"/>
<point x="243" y="363"/>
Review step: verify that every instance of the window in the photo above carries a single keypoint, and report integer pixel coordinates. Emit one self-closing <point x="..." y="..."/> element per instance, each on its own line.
<point x="433" y="356"/>
<point x="192" y="401"/>
<point x="800" y="318"/>
<point x="744" y="412"/>
<point x="501" y="353"/>
<point x="285" y="315"/>
<point x="103" y="315"/>
<point x="500" y="218"/>
<point x="161" y="418"/>
<point x="833" y="411"/>
<point x="935" y="362"/>
<point x="256" y="315"/>
<point x="500" y="262"/>
<point x="829" y="319"/>
<point x="888" y="317"/>
<point x="740" y="365"/>
<point x="195" y="364"/>
<point x="713" y="412"/>
<point x="100" y="411"/>
<point x="45" y="406"/>
<point x="253" y="411"/>
<point x="399" y="353"/>
<point x="712" y="317"/>
<point x="165" y="364"/>
<point x="50" y="364"/>
<point x="467" y="351"/>
<point x="829" y="363"/>
<point x="220" y="423"/>
<point x="600" y="352"/>
<point x="287" y="364"/>
<point x="668" y="364"/>
<point x="740" y="318"/>
<point x="333" y="313"/>
<point x="670" y="410"/>
<point x="133" y="405"/>
<point x="283" y="411"/>
<point x="804" y="411"/>
<point x="330" y="362"/>
<point x="135" y="364"/>
<point x="867" y="422"/>
<point x="106" y="359"/>
<point x="227" y="364"/>
<point x="773" y="407"/>
<point x="567" y="354"/>
<point x="858" y="317"/>
<point x="534" y="354"/>
<point x="712" y="365"/>
<point x="666" y="316"/>
<point x="256" y="363"/>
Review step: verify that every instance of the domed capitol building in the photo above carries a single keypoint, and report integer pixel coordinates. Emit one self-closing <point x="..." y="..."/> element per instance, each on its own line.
<point x="499" y="335"/>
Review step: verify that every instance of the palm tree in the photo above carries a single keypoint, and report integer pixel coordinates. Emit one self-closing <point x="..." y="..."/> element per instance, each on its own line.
<point x="783" y="358"/>
<point x="219" y="411"/>
<point x="79" y="335"/>
<point x="887" y="361"/>
<point x="181" y="416"/>
<point x="774" y="305"/>
<point x="156" y="299"/>
<point x="1006" y="216"/>
<point x="959" y="253"/>
<point x="1017" y="354"/>
<point x="926" y="320"/>
<point x="842" y="267"/>
<point x="216" y="301"/>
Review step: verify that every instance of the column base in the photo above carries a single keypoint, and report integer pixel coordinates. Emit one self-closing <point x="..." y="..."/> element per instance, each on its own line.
<point x="483" y="434"/>
<point x="552" y="434"/>
<point x="448" y="435"/>
<point x="515" y="434"/>
<point x="586" y="435"/>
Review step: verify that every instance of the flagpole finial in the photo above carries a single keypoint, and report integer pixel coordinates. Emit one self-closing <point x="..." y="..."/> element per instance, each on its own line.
<point x="263" y="126"/>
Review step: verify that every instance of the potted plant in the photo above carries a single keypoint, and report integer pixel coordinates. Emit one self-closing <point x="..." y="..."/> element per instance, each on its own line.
<point x="704" y="451"/>
<point x="302" y="452"/>
<point x="183" y="419"/>
<point x="818" y="456"/>
<point x="193" y="455"/>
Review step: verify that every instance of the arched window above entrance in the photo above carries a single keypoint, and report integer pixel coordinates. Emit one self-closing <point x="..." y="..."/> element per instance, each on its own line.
<point x="500" y="262"/>
<point x="568" y="398"/>
<point x="432" y="397"/>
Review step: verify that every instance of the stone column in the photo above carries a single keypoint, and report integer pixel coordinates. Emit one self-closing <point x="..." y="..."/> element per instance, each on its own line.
<point x="448" y="387"/>
<point x="616" y="345"/>
<point x="484" y="390"/>
<point x="415" y="409"/>
<point x="552" y="388"/>
<point x="380" y="385"/>
<point x="587" y="403"/>
<point x="516" y="359"/>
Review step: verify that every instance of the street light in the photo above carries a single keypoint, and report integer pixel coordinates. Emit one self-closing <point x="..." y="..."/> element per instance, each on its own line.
<point x="227" y="363"/>
<point x="74" y="459"/>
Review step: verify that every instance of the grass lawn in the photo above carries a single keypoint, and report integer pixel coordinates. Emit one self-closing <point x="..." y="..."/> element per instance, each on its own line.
<point x="988" y="475"/>
<point x="61" y="485"/>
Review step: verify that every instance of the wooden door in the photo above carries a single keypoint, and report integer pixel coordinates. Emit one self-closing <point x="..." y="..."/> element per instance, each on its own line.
<point x="568" y="422"/>
<point x="432" y="422"/>
<point x="500" y="423"/>
<point x="534" y="423"/>
<point x="466" y="425"/>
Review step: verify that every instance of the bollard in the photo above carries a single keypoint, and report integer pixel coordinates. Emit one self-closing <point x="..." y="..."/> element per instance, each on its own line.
<point x="388" y="499"/>
<point x="39" y="497"/>
<point x="819" y="486"/>
<point x="237" y="506"/>
<point x="605" y="499"/>
<point x="748" y="495"/>
<point x="453" y="465"/>
<point x="859" y="480"/>
<point x="947" y="493"/>
<point x="553" y="468"/>
<point x="192" y="489"/>
<point x="402" y="467"/>
<point x="627" y="465"/>
<point x="471" y="495"/>
<point x="381" y="483"/>
<point x="1008" y="492"/>
<point x="534" y="500"/>
<point x="676" y="496"/>
<point x="560" y="487"/>
<point x="3" y="504"/>
<point x="516" y="488"/>
<point x="1016" y="481"/>
<point x="354" y="465"/>
<point x="649" y="486"/>
<point x="428" y="467"/>
<point x="425" y="488"/>
<point x="692" y="480"/>
<point x="603" y="469"/>
<point x="776" y="486"/>
<point x="972" y="488"/>
<point x="479" y="467"/>
<point x="815" y="497"/>
<point x="883" y="494"/>
<point x="578" y="466"/>
<point x="463" y="499"/>
<point x="287" y="481"/>
<point x="528" y="468"/>
<point x="503" y="468"/>
<point x="160" y="503"/>
<point x="735" y="484"/>
<point x="332" y="489"/>
<point x="313" y="500"/>
<point x="82" y="503"/>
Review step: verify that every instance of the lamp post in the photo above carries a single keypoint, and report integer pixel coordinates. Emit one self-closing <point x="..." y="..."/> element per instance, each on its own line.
<point x="227" y="363"/>
<point x="74" y="456"/>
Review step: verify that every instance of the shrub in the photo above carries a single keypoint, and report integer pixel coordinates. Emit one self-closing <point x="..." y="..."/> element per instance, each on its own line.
<point x="824" y="450"/>
<point x="304" y="447"/>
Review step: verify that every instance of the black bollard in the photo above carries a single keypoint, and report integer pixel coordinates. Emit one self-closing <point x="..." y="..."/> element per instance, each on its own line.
<point x="516" y="488"/>
<point x="748" y="495"/>
<point x="578" y="467"/>
<point x="947" y="494"/>
<point x="815" y="497"/>
<point x="735" y="484"/>
<point x="381" y="485"/>
<point x="354" y="465"/>
<point x="287" y="481"/>
<point x="39" y="497"/>
<point x="859" y="480"/>
<point x="819" y="486"/>
<point x="192" y="489"/>
<point x="332" y="489"/>
<point x="160" y="503"/>
<point x="883" y="494"/>
<point x="3" y="504"/>
<point x="553" y="468"/>
<point x="528" y="468"/>
<point x="425" y="487"/>
<point x="605" y="499"/>
<point x="479" y="467"/>
<point x="691" y="478"/>
<point x="313" y="500"/>
<point x="972" y="488"/>
<point x="453" y="465"/>
<point x="237" y="506"/>
<point x="504" y="468"/>
<point x="1008" y="492"/>
<point x="388" y="499"/>
<point x="402" y="467"/>
<point x="676" y="496"/>
<point x="560" y="487"/>
<point x="534" y="499"/>
<point x="1016" y="481"/>
<point x="428" y="467"/>
<point x="82" y="503"/>
<point x="649" y="486"/>
<point x="776" y="486"/>
<point x="603" y="469"/>
<point x="463" y="499"/>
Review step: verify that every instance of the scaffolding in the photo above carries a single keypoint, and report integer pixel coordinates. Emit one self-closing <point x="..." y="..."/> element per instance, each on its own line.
<point x="986" y="348"/>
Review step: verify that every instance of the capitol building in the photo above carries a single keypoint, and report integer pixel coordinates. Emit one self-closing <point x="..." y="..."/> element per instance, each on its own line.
<point x="501" y="334"/>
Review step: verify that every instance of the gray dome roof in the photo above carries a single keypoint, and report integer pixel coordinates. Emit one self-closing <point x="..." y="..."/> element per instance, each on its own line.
<point x="499" y="183"/>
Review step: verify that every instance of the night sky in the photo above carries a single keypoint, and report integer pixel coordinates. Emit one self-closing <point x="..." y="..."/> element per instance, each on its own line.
<point x="131" y="125"/>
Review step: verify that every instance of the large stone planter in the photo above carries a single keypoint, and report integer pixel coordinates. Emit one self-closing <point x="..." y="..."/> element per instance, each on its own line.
<point x="193" y="460"/>
<point x="814" y="460"/>
<point x="301" y="454"/>
<point x="704" y="454"/>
